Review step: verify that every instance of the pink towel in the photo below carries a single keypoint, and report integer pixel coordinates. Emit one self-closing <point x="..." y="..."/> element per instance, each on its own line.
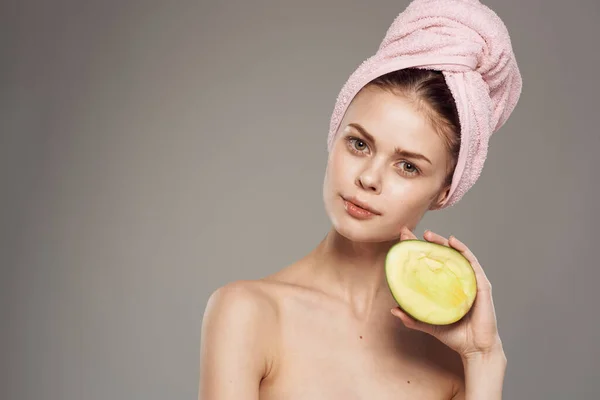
<point x="470" y="44"/>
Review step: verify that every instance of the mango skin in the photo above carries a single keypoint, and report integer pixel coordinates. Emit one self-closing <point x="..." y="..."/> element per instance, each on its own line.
<point x="432" y="283"/>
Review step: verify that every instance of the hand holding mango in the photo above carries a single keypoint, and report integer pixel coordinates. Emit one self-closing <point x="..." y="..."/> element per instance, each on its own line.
<point x="442" y="290"/>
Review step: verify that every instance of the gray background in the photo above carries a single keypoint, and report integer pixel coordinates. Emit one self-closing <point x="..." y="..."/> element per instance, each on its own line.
<point x="152" y="151"/>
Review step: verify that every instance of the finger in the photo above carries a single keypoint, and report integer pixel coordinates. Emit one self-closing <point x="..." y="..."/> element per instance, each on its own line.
<point x="412" y="323"/>
<point x="406" y="234"/>
<point x="483" y="282"/>
<point x="435" y="238"/>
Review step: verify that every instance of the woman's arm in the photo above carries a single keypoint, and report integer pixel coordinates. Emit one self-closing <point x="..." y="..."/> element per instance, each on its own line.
<point x="234" y="344"/>
<point x="475" y="337"/>
<point x="484" y="376"/>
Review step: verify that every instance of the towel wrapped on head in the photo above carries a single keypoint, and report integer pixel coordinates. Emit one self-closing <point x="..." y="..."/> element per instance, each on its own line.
<point x="470" y="45"/>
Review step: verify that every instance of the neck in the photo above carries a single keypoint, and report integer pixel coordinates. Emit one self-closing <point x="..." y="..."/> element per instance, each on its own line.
<point x="353" y="271"/>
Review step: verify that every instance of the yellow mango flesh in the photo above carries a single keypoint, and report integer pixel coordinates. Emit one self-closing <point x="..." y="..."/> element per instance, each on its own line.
<point x="433" y="283"/>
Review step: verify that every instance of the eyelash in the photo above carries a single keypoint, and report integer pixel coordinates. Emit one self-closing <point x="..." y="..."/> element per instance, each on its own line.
<point x="350" y="143"/>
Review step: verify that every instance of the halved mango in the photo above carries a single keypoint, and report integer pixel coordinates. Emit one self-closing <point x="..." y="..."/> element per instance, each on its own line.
<point x="432" y="283"/>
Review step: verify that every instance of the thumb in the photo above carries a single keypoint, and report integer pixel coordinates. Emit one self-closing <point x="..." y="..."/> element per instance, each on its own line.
<point x="412" y="323"/>
<point x="406" y="233"/>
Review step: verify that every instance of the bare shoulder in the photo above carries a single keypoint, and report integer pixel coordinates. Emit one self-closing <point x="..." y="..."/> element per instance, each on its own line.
<point x="243" y="304"/>
<point x="250" y="295"/>
<point x="237" y="340"/>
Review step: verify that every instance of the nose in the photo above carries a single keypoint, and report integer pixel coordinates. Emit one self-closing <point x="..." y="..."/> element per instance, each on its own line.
<point x="369" y="180"/>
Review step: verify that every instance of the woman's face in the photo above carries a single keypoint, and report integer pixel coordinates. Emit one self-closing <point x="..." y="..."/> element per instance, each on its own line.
<point x="371" y="162"/>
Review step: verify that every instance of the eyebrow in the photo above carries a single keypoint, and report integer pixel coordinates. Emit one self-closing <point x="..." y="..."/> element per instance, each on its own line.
<point x="398" y="151"/>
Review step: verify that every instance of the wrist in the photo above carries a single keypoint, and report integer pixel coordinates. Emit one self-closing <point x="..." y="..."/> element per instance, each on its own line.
<point x="484" y="374"/>
<point x="494" y="355"/>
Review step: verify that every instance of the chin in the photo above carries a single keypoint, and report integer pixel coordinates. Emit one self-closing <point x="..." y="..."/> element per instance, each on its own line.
<point x="358" y="235"/>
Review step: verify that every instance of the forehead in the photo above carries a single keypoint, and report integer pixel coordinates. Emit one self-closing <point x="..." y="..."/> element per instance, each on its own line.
<point x="394" y="121"/>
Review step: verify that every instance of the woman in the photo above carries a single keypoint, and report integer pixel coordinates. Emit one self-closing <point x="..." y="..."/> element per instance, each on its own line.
<point x="408" y="134"/>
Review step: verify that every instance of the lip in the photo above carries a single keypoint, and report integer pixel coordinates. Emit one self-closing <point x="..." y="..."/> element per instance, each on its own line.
<point x="360" y="207"/>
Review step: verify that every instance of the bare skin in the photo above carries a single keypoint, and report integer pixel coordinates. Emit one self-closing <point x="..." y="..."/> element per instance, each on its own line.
<point x="321" y="328"/>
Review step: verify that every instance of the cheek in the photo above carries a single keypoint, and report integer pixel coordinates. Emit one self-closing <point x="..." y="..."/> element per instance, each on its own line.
<point x="342" y="169"/>
<point x="403" y="189"/>
<point x="408" y="196"/>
